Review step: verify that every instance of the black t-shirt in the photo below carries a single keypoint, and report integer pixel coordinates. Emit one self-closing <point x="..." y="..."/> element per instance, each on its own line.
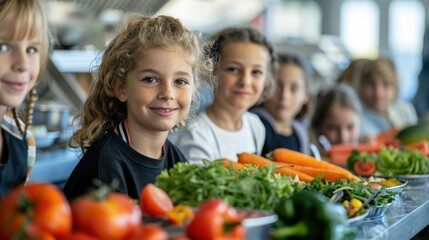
<point x="13" y="170"/>
<point x="274" y="140"/>
<point x="112" y="158"/>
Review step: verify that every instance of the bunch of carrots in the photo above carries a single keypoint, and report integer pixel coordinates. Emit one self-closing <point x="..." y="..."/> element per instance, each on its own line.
<point x="294" y="164"/>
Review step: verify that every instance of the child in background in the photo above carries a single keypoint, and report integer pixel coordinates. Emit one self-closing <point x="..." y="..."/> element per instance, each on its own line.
<point x="378" y="90"/>
<point x="146" y="85"/>
<point x="24" y="46"/>
<point x="246" y="72"/>
<point x="289" y="100"/>
<point x="336" y="116"/>
<point x="351" y="75"/>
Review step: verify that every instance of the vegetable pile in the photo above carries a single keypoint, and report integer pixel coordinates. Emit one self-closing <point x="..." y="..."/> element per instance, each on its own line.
<point x="41" y="211"/>
<point x="296" y="164"/>
<point x="352" y="190"/>
<point x="249" y="187"/>
<point x="390" y="162"/>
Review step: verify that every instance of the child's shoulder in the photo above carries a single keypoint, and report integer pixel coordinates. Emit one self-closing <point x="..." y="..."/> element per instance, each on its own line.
<point x="252" y="118"/>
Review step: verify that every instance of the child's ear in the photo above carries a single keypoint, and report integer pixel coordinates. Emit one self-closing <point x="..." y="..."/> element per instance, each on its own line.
<point x="119" y="92"/>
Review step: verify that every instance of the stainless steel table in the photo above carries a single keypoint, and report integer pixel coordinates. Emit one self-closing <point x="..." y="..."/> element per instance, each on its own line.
<point x="407" y="216"/>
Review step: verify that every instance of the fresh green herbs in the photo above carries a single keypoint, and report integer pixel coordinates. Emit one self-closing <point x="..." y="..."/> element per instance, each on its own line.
<point x="247" y="188"/>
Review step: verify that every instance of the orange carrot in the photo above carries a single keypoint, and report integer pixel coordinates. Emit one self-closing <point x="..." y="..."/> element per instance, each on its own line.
<point x="297" y="158"/>
<point x="292" y="172"/>
<point x="339" y="158"/>
<point x="329" y="174"/>
<point x="248" y="158"/>
<point x="421" y="146"/>
<point x="387" y="135"/>
<point x="235" y="165"/>
<point x="370" y="148"/>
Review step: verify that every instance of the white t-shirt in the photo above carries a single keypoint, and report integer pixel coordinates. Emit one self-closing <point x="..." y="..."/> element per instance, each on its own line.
<point x="203" y="139"/>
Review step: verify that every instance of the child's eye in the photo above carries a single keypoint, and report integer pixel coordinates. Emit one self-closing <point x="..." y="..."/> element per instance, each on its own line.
<point x="181" y="82"/>
<point x="233" y="69"/>
<point x="149" y="80"/>
<point x="257" y="72"/>
<point x="350" y="127"/>
<point x="3" y="47"/>
<point x="32" y="50"/>
<point x="295" y="88"/>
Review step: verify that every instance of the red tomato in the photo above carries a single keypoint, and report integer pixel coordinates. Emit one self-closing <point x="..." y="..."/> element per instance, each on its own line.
<point x="81" y="236"/>
<point x="211" y="220"/>
<point x="33" y="232"/>
<point x="114" y="217"/>
<point x="364" y="168"/>
<point x="181" y="238"/>
<point x="150" y="232"/>
<point x="38" y="209"/>
<point x="154" y="201"/>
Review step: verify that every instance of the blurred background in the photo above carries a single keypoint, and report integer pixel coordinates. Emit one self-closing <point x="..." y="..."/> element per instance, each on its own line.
<point x="326" y="33"/>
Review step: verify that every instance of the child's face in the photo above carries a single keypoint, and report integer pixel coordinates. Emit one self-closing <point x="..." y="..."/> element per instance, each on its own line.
<point x="290" y="94"/>
<point x="341" y="125"/>
<point x="19" y="65"/>
<point x="378" y="93"/>
<point x="158" y="91"/>
<point x="242" y="74"/>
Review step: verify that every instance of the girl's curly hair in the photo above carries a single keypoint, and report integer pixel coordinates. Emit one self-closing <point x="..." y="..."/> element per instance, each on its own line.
<point x="102" y="111"/>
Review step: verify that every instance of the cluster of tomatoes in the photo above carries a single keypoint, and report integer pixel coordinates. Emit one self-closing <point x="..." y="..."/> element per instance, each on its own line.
<point x="41" y="211"/>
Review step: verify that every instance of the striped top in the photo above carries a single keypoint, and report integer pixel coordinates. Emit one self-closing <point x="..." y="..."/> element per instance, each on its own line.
<point x="8" y="124"/>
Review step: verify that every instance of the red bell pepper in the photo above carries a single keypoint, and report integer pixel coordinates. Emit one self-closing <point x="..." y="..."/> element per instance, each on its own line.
<point x="216" y="220"/>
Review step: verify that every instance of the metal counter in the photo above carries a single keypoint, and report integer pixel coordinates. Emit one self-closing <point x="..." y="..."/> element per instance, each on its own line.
<point x="406" y="217"/>
<point x="55" y="166"/>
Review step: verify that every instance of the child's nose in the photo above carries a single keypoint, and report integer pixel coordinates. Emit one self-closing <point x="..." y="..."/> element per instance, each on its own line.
<point x="344" y="136"/>
<point x="166" y="92"/>
<point x="246" y="78"/>
<point x="20" y="61"/>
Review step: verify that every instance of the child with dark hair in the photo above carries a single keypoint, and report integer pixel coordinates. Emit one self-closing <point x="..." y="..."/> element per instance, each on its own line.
<point x="246" y="71"/>
<point x="281" y="113"/>
<point x="337" y="116"/>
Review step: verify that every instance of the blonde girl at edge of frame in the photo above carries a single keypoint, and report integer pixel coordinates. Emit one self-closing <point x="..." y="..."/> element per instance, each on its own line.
<point x="146" y="85"/>
<point x="246" y="69"/>
<point x="24" y="47"/>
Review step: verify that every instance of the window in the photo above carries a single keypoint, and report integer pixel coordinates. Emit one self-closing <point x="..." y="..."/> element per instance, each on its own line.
<point x="359" y="27"/>
<point x="406" y="29"/>
<point x="294" y="20"/>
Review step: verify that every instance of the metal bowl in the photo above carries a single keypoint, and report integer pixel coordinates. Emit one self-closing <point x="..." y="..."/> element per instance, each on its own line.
<point x="397" y="189"/>
<point x="56" y="117"/>
<point x="414" y="179"/>
<point x="375" y="212"/>
<point x="355" y="221"/>
<point x="259" y="227"/>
